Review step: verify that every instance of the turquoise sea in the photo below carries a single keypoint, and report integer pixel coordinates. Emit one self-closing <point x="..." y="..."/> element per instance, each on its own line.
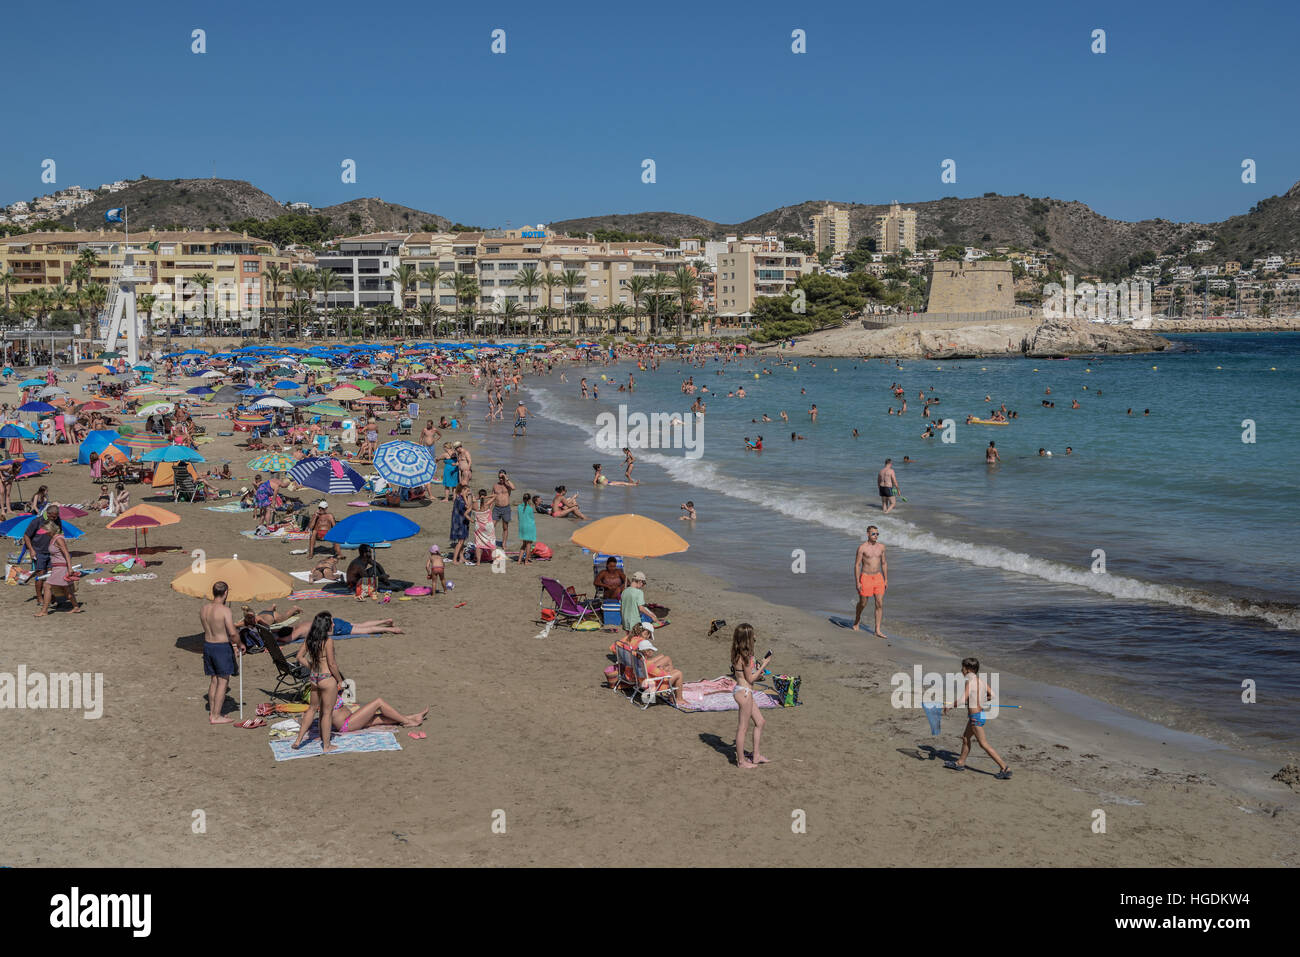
<point x="1199" y="591"/>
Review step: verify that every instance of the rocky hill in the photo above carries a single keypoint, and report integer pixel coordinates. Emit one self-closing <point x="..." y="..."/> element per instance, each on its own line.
<point x="188" y="203"/>
<point x="195" y="203"/>
<point x="374" y="216"/>
<point x="1084" y="237"/>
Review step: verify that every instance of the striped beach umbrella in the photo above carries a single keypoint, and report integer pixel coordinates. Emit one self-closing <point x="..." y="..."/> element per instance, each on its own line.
<point x="327" y="475"/>
<point x="143" y="441"/>
<point x="273" y="462"/>
<point x="326" y="408"/>
<point x="251" y="420"/>
<point x="345" y="393"/>
<point x="405" y="464"/>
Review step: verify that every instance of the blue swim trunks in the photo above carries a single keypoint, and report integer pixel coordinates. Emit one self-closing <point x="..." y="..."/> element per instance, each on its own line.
<point x="219" y="659"/>
<point x="342" y="627"/>
<point x="978" y="719"/>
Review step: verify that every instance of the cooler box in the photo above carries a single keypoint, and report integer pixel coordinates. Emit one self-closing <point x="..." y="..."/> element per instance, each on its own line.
<point x="611" y="614"/>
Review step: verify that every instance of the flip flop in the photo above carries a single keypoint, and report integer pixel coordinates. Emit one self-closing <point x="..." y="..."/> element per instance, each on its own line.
<point x="251" y="723"/>
<point x="1003" y="775"/>
<point x="461" y="604"/>
<point x="954" y="766"/>
<point x="417" y="735"/>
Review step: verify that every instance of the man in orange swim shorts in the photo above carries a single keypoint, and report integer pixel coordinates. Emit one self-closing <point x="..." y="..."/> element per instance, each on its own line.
<point x="871" y="575"/>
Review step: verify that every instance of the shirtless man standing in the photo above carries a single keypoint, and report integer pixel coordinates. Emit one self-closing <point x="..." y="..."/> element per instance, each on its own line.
<point x="501" y="504"/>
<point x="871" y="577"/>
<point x="221" y="648"/>
<point x="886" y="484"/>
<point x="521" y="419"/>
<point x="429" y="435"/>
<point x="321" y="523"/>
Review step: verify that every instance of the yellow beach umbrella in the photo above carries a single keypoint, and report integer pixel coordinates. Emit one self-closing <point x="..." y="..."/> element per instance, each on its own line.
<point x="97" y="370"/>
<point x="248" y="581"/>
<point x="344" y="393"/>
<point x="632" y="536"/>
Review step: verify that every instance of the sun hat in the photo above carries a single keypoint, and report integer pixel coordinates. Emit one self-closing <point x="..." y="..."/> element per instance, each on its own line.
<point x="322" y="504"/>
<point x="638" y="577"/>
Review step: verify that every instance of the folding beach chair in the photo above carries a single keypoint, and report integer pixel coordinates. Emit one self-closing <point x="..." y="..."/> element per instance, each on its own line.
<point x="404" y="427"/>
<point x="626" y="678"/>
<point x="290" y="675"/>
<point x="650" y="688"/>
<point x="566" y="605"/>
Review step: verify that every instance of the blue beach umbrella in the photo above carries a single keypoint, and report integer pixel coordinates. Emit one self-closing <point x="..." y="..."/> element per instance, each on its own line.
<point x="405" y="464"/>
<point x="172" y="453"/>
<point x="16" y="527"/>
<point x="12" y="431"/>
<point x="370" y="527"/>
<point x="30" y="382"/>
<point x="35" y="407"/>
<point x="319" y="473"/>
<point x="95" y="441"/>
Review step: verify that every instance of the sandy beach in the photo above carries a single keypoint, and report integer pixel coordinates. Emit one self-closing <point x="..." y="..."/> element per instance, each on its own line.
<point x="524" y="738"/>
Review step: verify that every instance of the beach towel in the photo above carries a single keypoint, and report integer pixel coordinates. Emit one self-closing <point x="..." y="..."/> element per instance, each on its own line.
<point x="307" y="577"/>
<point x="280" y="535"/>
<point x="110" y="579"/>
<point x="708" y="696"/>
<point x="308" y="593"/>
<point x="357" y="741"/>
<point x="111" y="557"/>
<point x="228" y="507"/>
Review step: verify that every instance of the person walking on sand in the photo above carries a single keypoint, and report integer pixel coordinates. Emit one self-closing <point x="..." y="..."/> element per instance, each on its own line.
<point x="746" y="671"/>
<point x="521" y="419"/>
<point x="221" y="650"/>
<point x="974" y="694"/>
<point x="887" y="485"/>
<point x="871" y="576"/>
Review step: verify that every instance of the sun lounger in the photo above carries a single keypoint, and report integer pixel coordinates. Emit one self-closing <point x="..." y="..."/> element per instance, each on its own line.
<point x="290" y="675"/>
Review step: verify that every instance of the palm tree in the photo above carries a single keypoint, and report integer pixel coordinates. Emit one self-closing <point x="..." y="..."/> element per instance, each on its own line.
<point x="405" y="276"/>
<point x="581" y="310"/>
<point x="386" y="312"/>
<point x="7" y="279"/>
<point x="550" y="281"/>
<point x="637" y="287"/>
<point x="147" y="301"/>
<point x="466" y="287"/>
<point x="276" y="277"/>
<point x="432" y="278"/>
<point x="617" y="313"/>
<point x="571" y="279"/>
<point x="203" y="281"/>
<point x="509" y="310"/>
<point x="527" y="279"/>
<point x="300" y="311"/>
<point x="658" y="284"/>
<point x="25" y="303"/>
<point x="79" y="274"/>
<point x="327" y="281"/>
<point x="688" y="284"/>
<point x="96" y="294"/>
<point x="660" y="305"/>
<point x="60" y="296"/>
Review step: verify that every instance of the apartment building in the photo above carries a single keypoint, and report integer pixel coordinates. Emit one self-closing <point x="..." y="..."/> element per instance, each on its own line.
<point x="896" y="230"/>
<point x="364" y="266"/>
<point x="754" y="267"/>
<point x="235" y="262"/>
<point x="830" y="229"/>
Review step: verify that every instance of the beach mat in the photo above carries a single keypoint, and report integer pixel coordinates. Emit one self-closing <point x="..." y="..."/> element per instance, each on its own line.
<point x="111" y="579"/>
<point x="228" y="507"/>
<point x="724" y="701"/>
<point x="276" y="536"/>
<point x="309" y="593"/>
<point x="356" y="741"/>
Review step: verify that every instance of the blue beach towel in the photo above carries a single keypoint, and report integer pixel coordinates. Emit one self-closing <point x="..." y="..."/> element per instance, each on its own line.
<point x="362" y="741"/>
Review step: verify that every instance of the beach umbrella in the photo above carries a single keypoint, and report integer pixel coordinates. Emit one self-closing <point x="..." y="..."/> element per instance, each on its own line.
<point x="247" y="581"/>
<point x="343" y="394"/>
<point x="157" y="408"/>
<point x="372" y="400"/>
<point x="212" y="374"/>
<point x="26" y="467"/>
<point x="364" y="385"/>
<point x="95" y="441"/>
<point x="327" y="475"/>
<point x="14" y="431"/>
<point x="143" y="441"/>
<point x="632" y="536"/>
<point x="109" y="355"/>
<point x="172" y="453"/>
<point x="371" y="527"/>
<point x="95" y="405"/>
<point x="286" y="384"/>
<point x="326" y="408"/>
<point x="97" y="370"/>
<point x="27" y="383"/>
<point x="272" y="402"/>
<point x="383" y="390"/>
<point x="35" y="407"/>
<point x="251" y="419"/>
<point x="16" y="527"/>
<point x="273" y="462"/>
<point x="170" y="390"/>
<point x="139" y="391"/>
<point x="405" y="464"/>
<point x="199" y="390"/>
<point x="50" y="390"/>
<point x="142" y="518"/>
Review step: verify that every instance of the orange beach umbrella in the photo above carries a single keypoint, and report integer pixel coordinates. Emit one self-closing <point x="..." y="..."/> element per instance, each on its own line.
<point x="247" y="581"/>
<point x="632" y="536"/>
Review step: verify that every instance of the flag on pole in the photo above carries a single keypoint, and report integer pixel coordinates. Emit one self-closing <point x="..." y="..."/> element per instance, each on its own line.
<point x="113" y="215"/>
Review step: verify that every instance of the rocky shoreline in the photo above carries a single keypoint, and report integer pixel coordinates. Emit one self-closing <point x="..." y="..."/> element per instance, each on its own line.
<point x="1032" y="338"/>
<point x="1223" y="324"/>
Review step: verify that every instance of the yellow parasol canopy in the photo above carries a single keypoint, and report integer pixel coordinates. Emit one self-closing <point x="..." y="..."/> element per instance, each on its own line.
<point x="248" y="581"/>
<point x="632" y="536"/>
<point x="145" y="516"/>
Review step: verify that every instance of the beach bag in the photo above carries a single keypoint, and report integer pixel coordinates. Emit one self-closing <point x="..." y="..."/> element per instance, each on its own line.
<point x="787" y="690"/>
<point x="366" y="589"/>
<point x="252" y="639"/>
<point x="541" y="550"/>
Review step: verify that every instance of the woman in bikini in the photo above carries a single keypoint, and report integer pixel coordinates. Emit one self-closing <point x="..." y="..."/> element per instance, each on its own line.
<point x="562" y="505"/>
<point x="317" y="653"/>
<point x="746" y="671"/>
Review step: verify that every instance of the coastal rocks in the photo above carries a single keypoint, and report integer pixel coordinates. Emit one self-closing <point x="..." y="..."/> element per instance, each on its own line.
<point x="1030" y="337"/>
<point x="1061" y="336"/>
<point x="1226" y="324"/>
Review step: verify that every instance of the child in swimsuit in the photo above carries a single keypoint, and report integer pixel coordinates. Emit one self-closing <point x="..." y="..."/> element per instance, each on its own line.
<point x="974" y="695"/>
<point x="746" y="671"/>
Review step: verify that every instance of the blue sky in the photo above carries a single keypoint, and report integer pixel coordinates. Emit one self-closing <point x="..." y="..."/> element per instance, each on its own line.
<point x="737" y="124"/>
